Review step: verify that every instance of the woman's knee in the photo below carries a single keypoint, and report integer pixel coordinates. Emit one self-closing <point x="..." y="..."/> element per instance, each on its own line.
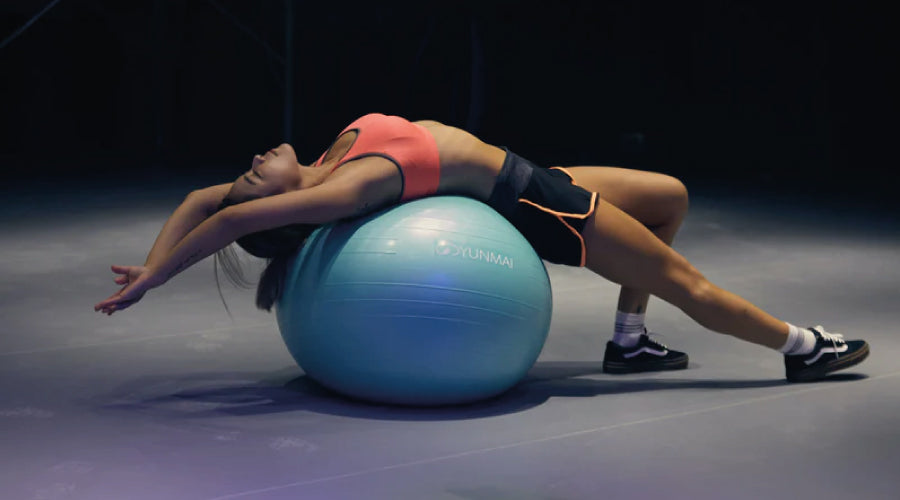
<point x="676" y="194"/>
<point x="667" y="203"/>
<point x="701" y="291"/>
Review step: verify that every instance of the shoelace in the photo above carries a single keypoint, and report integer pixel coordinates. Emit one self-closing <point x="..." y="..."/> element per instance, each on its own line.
<point x="833" y="337"/>
<point x="653" y="340"/>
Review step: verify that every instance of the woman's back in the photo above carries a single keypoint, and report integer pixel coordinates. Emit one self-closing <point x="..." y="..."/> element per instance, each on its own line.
<point x="467" y="166"/>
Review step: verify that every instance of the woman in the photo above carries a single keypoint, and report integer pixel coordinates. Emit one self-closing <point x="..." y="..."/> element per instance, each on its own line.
<point x="618" y="223"/>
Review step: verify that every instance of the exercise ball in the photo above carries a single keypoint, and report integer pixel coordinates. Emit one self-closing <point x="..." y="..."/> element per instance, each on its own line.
<point x="437" y="301"/>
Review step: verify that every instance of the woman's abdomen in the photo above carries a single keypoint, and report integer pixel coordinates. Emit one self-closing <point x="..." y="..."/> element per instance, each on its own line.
<point x="469" y="166"/>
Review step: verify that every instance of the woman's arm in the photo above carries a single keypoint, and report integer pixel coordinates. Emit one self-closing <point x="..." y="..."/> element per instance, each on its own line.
<point x="327" y="202"/>
<point x="196" y="207"/>
<point x="210" y="235"/>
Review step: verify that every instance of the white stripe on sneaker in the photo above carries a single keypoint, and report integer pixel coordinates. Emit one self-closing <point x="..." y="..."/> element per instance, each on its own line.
<point x="647" y="350"/>
<point x="826" y="350"/>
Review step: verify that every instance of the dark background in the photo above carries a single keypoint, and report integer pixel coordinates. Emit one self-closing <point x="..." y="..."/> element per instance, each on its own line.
<point x="796" y="98"/>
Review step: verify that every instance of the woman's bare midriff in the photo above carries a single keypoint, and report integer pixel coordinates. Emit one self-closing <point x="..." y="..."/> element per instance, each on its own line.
<point x="469" y="166"/>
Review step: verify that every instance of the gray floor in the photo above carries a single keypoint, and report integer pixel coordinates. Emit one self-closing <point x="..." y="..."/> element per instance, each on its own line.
<point x="173" y="400"/>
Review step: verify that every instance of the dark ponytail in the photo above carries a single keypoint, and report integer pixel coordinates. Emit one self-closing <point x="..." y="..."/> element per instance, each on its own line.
<point x="271" y="282"/>
<point x="277" y="245"/>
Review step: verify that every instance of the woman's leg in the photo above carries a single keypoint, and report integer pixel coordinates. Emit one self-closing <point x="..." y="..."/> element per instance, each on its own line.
<point x="659" y="202"/>
<point x="625" y="251"/>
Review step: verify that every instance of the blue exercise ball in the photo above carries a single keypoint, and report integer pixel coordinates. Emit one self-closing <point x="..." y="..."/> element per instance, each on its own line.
<point x="433" y="302"/>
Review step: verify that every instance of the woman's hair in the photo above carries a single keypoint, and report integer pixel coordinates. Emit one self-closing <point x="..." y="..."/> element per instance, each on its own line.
<point x="276" y="245"/>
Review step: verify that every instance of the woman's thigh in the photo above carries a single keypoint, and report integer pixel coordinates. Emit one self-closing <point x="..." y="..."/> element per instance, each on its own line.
<point x="624" y="251"/>
<point x="652" y="198"/>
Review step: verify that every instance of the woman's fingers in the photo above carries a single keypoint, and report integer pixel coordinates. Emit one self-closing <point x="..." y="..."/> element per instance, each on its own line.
<point x="117" y="298"/>
<point x="136" y="281"/>
<point x="111" y="309"/>
<point x="123" y="298"/>
<point x="119" y="306"/>
<point x="107" y="306"/>
<point x="125" y="271"/>
<point x="104" y="304"/>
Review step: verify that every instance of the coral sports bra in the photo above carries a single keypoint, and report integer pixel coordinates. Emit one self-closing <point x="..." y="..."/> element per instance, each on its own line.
<point x="409" y="146"/>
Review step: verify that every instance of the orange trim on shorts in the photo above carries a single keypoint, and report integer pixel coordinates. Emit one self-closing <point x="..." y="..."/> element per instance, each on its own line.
<point x="560" y="215"/>
<point x="571" y="177"/>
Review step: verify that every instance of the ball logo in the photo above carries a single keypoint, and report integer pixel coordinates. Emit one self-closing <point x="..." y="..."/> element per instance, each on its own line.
<point x="446" y="248"/>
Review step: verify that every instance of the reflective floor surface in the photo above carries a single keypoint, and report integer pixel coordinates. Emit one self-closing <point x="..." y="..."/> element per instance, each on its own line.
<point x="173" y="399"/>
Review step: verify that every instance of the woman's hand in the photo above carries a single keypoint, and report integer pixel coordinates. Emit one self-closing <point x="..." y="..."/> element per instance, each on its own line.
<point x="137" y="280"/>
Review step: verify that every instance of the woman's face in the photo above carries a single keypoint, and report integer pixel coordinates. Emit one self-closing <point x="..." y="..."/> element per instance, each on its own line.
<point x="274" y="172"/>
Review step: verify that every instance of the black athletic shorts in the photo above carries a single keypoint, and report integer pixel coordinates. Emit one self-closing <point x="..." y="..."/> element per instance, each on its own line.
<point x="546" y="206"/>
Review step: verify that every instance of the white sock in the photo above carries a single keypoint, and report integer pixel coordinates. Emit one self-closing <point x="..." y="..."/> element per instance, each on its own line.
<point x="629" y="328"/>
<point x="800" y="341"/>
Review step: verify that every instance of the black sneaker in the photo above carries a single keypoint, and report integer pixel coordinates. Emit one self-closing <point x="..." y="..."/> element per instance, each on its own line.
<point x="831" y="353"/>
<point x="646" y="356"/>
